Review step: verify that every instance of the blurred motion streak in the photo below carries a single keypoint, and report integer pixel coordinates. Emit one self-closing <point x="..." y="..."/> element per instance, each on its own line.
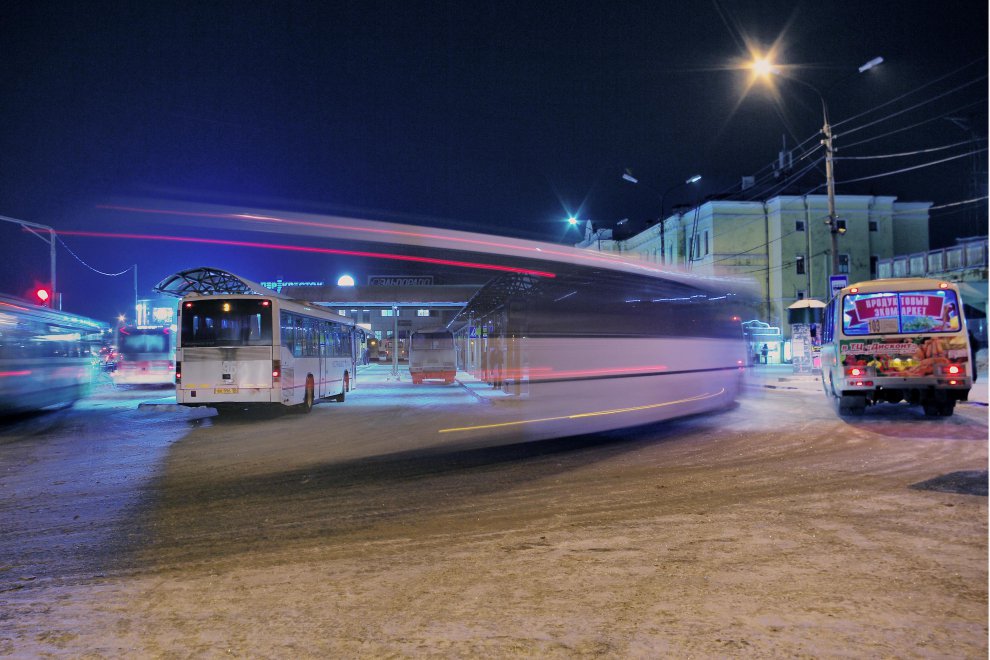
<point x="317" y="250"/>
<point x="377" y="231"/>
<point x="578" y="416"/>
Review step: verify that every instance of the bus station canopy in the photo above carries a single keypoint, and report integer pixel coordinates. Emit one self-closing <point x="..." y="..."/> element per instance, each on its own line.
<point x="209" y="281"/>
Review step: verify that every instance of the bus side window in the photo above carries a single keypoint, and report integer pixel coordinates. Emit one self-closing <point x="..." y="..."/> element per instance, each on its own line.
<point x="288" y="333"/>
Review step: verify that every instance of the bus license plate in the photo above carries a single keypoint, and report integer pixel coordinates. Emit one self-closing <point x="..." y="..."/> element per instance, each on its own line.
<point x="225" y="390"/>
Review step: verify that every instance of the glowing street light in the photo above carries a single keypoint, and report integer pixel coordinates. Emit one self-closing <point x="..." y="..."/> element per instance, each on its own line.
<point x="764" y="68"/>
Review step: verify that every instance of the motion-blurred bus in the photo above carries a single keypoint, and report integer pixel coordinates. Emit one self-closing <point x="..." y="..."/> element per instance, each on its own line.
<point x="241" y="350"/>
<point x="594" y="348"/>
<point x="145" y="355"/>
<point x="47" y="358"/>
<point x="431" y="355"/>
<point x="896" y="340"/>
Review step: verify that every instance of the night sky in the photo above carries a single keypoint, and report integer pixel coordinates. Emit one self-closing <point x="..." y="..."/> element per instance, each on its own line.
<point x="503" y="117"/>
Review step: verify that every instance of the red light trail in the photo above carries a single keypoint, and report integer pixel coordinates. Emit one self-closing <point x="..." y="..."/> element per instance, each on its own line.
<point x="316" y="250"/>
<point x="531" y="251"/>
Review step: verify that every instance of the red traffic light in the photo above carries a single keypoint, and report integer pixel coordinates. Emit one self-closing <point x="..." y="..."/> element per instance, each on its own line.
<point x="43" y="295"/>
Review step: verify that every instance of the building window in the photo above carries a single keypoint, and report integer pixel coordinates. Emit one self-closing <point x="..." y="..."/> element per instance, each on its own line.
<point x="799" y="225"/>
<point x="874" y="260"/>
<point x="706" y="243"/>
<point x="844" y="263"/>
<point x="422" y="312"/>
<point x="342" y="312"/>
<point x="799" y="264"/>
<point x="387" y="312"/>
<point x="801" y="295"/>
<point x="874" y="225"/>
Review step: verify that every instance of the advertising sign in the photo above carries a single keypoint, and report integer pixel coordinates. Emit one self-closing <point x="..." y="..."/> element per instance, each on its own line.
<point x="913" y="357"/>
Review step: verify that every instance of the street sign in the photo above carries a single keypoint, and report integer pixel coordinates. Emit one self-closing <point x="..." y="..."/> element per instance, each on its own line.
<point x="837" y="282"/>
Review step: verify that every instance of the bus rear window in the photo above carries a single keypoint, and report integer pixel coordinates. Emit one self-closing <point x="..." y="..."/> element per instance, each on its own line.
<point x="227" y="323"/>
<point x="135" y="342"/>
<point x="904" y="312"/>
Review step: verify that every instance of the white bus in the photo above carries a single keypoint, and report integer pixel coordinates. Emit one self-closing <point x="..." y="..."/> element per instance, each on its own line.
<point x="47" y="357"/>
<point x="593" y="350"/>
<point x="431" y="355"/>
<point x="242" y="350"/>
<point x="896" y="340"/>
<point x="145" y="355"/>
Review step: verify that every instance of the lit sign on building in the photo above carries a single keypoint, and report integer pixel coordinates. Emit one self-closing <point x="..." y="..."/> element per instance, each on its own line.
<point x="400" y="280"/>
<point x="279" y="284"/>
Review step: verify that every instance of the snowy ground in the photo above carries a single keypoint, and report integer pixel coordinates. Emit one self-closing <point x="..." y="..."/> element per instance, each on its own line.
<point x="772" y="530"/>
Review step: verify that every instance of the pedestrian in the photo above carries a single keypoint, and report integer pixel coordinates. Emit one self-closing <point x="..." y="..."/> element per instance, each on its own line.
<point x="763" y="352"/>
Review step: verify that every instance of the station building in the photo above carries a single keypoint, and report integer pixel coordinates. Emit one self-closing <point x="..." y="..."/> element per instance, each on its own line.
<point x="784" y="245"/>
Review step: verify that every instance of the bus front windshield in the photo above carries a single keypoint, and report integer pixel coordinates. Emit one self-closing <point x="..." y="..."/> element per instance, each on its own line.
<point x="235" y="322"/>
<point x="903" y="312"/>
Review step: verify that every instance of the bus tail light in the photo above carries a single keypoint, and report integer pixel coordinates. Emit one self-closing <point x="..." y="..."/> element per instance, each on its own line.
<point x="859" y="372"/>
<point x="178" y="371"/>
<point x="952" y="370"/>
<point x="276" y="370"/>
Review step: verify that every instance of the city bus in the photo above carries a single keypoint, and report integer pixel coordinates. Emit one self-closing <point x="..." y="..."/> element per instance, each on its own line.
<point x="48" y="358"/>
<point x="247" y="350"/>
<point x="896" y="340"/>
<point x="594" y="349"/>
<point x="145" y="355"/>
<point x="431" y="355"/>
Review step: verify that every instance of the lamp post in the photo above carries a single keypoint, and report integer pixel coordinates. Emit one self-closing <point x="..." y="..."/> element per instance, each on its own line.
<point x="764" y="68"/>
<point x="691" y="179"/>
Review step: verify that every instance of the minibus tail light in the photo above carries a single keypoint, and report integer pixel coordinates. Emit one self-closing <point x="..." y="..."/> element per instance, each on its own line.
<point x="276" y="370"/>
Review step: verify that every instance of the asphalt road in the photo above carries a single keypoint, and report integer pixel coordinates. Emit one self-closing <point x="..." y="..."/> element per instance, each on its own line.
<point x="358" y="530"/>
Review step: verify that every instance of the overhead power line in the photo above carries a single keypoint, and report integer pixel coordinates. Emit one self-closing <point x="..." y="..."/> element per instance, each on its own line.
<point x="907" y="94"/>
<point x="908" y="153"/>
<point x="908" y="169"/>
<point x="97" y="271"/>
<point x="913" y="107"/>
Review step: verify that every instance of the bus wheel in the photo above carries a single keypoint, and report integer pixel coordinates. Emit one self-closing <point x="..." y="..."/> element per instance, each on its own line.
<point x="307" y="404"/>
<point x="851" y="405"/>
<point x="343" y="387"/>
<point x="943" y="409"/>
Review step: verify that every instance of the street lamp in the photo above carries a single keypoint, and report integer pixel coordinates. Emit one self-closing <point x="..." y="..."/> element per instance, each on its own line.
<point x="691" y="179"/>
<point x="763" y="68"/>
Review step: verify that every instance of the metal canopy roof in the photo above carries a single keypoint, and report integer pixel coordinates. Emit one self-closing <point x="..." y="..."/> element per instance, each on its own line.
<point x="209" y="281"/>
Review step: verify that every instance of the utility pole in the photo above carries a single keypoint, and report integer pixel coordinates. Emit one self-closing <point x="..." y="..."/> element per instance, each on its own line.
<point x="33" y="228"/>
<point x="833" y="225"/>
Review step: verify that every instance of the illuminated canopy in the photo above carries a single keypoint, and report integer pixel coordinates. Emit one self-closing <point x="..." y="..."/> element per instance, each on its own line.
<point x="208" y="281"/>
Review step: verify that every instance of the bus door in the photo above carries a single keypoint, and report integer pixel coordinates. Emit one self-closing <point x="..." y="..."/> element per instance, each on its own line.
<point x="325" y="338"/>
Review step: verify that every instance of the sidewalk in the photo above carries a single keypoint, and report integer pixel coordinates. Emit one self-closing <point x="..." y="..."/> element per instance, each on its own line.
<point x="782" y="377"/>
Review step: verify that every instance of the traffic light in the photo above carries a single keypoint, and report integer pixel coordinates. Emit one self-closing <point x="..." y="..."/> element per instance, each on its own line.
<point x="43" y="296"/>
